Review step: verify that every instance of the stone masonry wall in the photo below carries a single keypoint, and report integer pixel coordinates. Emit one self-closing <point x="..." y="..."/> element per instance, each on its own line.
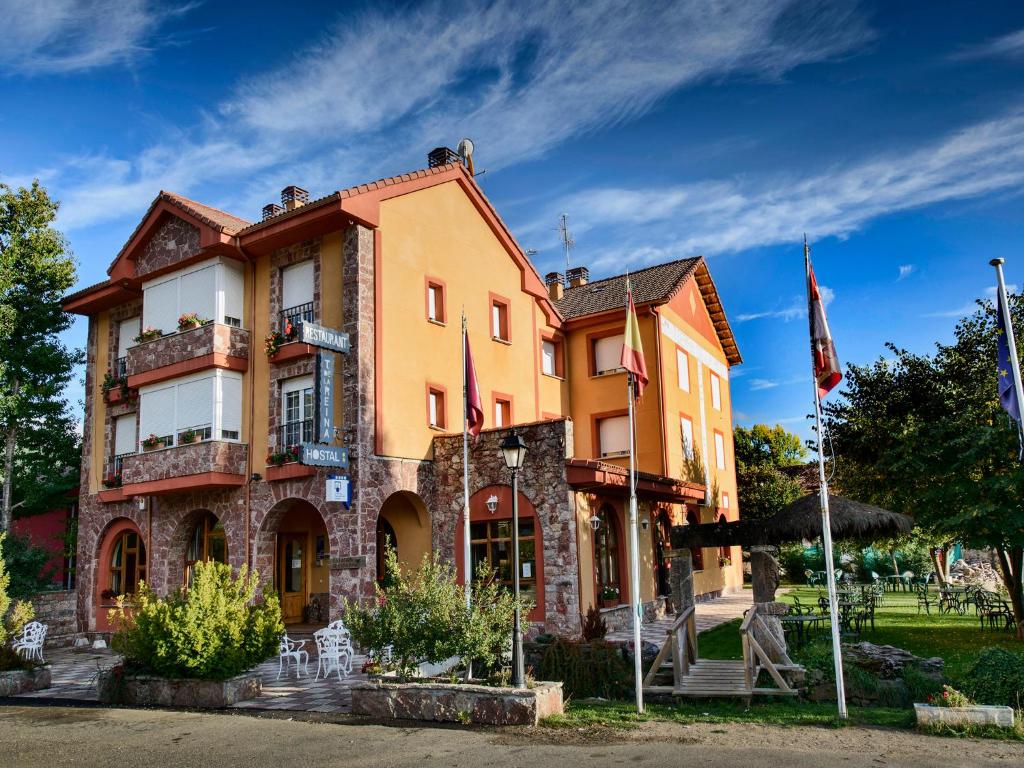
<point x="173" y="241"/>
<point x="57" y="610"/>
<point x="187" y="345"/>
<point x="193" y="459"/>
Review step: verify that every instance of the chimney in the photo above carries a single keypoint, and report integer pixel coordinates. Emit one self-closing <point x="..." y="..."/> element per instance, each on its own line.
<point x="578" y="276"/>
<point x="556" y="285"/>
<point x="271" y="209"/>
<point x="441" y="156"/>
<point x="292" y="197"/>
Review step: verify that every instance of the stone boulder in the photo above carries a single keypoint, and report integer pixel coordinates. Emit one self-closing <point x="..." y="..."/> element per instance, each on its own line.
<point x="888" y="662"/>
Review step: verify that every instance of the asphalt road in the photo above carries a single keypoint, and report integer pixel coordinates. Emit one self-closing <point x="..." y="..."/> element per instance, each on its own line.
<point x="53" y="737"/>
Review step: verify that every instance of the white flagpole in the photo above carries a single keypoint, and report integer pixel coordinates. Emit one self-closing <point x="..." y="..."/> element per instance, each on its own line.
<point x="634" y="543"/>
<point x="826" y="523"/>
<point x="1010" y="340"/>
<point x="467" y="567"/>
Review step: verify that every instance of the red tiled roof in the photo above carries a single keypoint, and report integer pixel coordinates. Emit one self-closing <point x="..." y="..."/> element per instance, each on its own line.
<point x="651" y="285"/>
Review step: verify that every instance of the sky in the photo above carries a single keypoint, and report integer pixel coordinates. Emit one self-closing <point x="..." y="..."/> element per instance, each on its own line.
<point x="892" y="134"/>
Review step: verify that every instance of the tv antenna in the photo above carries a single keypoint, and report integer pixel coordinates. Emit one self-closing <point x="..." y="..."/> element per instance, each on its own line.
<point x="567" y="242"/>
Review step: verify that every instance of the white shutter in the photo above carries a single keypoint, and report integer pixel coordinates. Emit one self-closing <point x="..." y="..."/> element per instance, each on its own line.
<point x="433" y="409"/>
<point x="297" y="285"/>
<point x="125" y="439"/>
<point x="495" y="320"/>
<point x="719" y="450"/>
<point x="608" y="354"/>
<point x="233" y="282"/>
<point x="686" y="427"/>
<point x="160" y="306"/>
<point x="230" y="404"/>
<point x="547" y="352"/>
<point x="683" y="366"/>
<point x="716" y="392"/>
<point x="296" y="383"/>
<point x="613" y="435"/>
<point x="126" y="333"/>
<point x="156" y="412"/>
<point x="498" y="421"/>
<point x="195" y="403"/>
<point x="432" y="302"/>
<point x="199" y="293"/>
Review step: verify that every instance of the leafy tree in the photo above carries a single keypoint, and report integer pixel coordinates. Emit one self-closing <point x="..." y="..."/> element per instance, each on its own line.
<point x="774" y="446"/>
<point x="35" y="367"/>
<point x="760" y="453"/>
<point x="925" y="435"/>
<point x="26" y="567"/>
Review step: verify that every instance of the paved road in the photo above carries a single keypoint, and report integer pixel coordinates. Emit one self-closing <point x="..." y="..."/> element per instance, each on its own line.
<point x="54" y="737"/>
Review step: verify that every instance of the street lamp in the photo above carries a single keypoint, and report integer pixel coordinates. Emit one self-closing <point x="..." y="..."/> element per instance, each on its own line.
<point x="513" y="450"/>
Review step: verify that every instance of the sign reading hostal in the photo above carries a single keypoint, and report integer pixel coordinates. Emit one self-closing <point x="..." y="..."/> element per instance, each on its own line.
<point x="324" y="456"/>
<point x="325" y="338"/>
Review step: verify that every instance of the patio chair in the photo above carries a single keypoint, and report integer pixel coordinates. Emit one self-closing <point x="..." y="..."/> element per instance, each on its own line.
<point x="993" y="610"/>
<point x="798" y="609"/>
<point x="925" y="599"/>
<point x="334" y="653"/>
<point x="292" y="650"/>
<point x="811" y="577"/>
<point x="905" y="579"/>
<point x="29" y="644"/>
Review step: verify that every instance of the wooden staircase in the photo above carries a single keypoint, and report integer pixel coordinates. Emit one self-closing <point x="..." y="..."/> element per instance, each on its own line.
<point x="696" y="678"/>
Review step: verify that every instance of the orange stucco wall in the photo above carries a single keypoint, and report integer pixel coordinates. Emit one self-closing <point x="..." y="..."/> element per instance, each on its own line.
<point x="437" y="233"/>
<point x="99" y="437"/>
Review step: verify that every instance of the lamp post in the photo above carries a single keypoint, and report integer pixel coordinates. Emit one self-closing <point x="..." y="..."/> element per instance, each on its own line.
<point x="513" y="450"/>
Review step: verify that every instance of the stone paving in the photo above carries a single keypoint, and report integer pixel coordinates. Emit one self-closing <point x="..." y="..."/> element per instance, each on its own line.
<point x="73" y="673"/>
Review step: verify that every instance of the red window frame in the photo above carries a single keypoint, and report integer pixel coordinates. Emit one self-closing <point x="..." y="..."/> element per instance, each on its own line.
<point x="559" y="344"/>
<point x="440" y="302"/>
<point x="442" y="409"/>
<point x="504" y="318"/>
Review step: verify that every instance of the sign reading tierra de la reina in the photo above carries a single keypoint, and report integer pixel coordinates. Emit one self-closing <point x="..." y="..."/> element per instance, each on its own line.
<point x="325" y="338"/>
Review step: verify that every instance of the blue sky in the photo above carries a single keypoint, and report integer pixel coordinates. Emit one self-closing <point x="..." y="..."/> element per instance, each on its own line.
<point x="891" y="133"/>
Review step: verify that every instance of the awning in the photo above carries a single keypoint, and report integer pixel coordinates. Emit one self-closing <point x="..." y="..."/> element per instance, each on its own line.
<point x="613" y="480"/>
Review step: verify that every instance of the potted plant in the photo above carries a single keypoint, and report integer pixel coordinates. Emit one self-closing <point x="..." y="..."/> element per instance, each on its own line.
<point x="724" y="562"/>
<point x="189" y="436"/>
<point x="112" y="480"/>
<point x="275" y="339"/>
<point x="110" y="382"/>
<point x="153" y="443"/>
<point x="951" y="707"/>
<point x="191" y="320"/>
<point x="609" y="596"/>
<point x="149" y="333"/>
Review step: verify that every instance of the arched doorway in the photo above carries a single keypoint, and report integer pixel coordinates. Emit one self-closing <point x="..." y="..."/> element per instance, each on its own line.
<point x="293" y="544"/>
<point x="662" y="565"/>
<point x="207" y="542"/>
<point x="122" y="564"/>
<point x="608" y="558"/>
<point x="405" y="519"/>
<point x="386" y="539"/>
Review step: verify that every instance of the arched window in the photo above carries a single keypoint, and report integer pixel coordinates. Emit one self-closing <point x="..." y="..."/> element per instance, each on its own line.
<point x="692" y="518"/>
<point x="606" y="557"/>
<point x="724" y="553"/>
<point x="206" y="544"/>
<point x="127" y="563"/>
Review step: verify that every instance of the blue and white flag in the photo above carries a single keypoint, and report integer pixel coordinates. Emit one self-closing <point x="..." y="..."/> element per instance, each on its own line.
<point x="1007" y="390"/>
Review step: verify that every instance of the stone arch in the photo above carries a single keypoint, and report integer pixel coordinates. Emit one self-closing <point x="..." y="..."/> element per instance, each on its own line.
<point x="407" y="515"/>
<point x="300" y="528"/>
<point x="103" y="599"/>
<point x="180" y="538"/>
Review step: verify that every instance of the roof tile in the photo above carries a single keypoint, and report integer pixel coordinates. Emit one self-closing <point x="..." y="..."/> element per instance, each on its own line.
<point x="654" y="284"/>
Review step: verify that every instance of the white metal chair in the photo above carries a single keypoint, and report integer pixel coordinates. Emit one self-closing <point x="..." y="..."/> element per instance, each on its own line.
<point x="29" y="644"/>
<point x="334" y="652"/>
<point x="292" y="650"/>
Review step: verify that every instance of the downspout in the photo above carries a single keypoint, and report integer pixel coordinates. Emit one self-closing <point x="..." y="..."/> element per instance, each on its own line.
<point x="252" y="395"/>
<point x="661" y="392"/>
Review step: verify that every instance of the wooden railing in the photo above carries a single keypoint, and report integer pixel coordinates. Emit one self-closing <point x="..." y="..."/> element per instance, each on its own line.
<point x="754" y="656"/>
<point x="680" y="644"/>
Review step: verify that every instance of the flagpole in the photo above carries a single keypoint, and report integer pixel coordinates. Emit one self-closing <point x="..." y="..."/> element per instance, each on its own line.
<point x="466" y="564"/>
<point x="826" y="523"/>
<point x="1011" y="342"/>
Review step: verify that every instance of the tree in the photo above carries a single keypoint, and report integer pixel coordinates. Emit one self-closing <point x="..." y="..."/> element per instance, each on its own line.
<point x="35" y="367"/>
<point x="925" y="435"/>
<point x="760" y="452"/>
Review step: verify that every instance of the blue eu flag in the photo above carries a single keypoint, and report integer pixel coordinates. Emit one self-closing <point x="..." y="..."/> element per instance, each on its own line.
<point x="1007" y="392"/>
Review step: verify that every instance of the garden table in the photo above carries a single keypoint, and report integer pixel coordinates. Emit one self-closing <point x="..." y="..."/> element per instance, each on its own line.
<point x="803" y="624"/>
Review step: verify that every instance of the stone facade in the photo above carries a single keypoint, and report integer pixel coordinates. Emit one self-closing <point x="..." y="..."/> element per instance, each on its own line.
<point x="212" y="338"/>
<point x="22" y="681"/>
<point x="174" y="240"/>
<point x="114" y="687"/>
<point x="184" y="460"/>
<point x="57" y="611"/>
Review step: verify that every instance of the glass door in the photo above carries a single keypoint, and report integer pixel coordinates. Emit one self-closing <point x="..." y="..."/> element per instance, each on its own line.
<point x="291" y="573"/>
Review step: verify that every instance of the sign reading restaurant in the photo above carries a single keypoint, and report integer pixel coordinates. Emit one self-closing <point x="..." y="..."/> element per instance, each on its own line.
<point x="326" y="338"/>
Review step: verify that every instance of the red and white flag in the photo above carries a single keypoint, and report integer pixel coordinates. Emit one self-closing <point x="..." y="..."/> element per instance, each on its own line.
<point x="474" y="407"/>
<point x="827" y="371"/>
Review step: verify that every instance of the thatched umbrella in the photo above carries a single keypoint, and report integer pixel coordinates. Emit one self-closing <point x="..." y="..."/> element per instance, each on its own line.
<point x="849" y="520"/>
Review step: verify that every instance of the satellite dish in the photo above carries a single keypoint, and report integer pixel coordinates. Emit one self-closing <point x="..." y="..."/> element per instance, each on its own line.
<point x="465" y="149"/>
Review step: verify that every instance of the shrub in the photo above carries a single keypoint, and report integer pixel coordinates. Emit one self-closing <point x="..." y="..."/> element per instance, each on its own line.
<point x="212" y="630"/>
<point x="26" y="567"/>
<point x="594" y="626"/>
<point x="12" y="618"/>
<point x="588" y="669"/>
<point x="997" y="677"/>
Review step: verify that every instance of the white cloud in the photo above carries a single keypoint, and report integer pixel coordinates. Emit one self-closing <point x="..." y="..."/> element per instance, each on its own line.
<point x="1010" y="45"/>
<point x="62" y="36"/>
<point x="906" y="270"/>
<point x="757" y="385"/>
<point x="518" y="77"/>
<point x="793" y="311"/>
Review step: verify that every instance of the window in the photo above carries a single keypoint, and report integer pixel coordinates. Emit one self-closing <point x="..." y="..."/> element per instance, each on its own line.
<point x="725" y="500"/>
<point x="491" y="543"/>
<point x="125" y="440"/>
<point x="719" y="450"/>
<point x="683" y="369"/>
<point x="613" y="436"/>
<point x="692" y="518"/>
<point x="127" y="564"/>
<point x="127" y="330"/>
<point x="435" y="301"/>
<point x="686" y="429"/>
<point x="499" y="319"/>
<point x="297" y="292"/>
<point x="213" y="290"/>
<point x="502" y="412"/>
<point x="716" y="391"/>
<point x="207" y="544"/>
<point x="607" y="352"/>
<point x="437" y="413"/>
<point x="606" y="557"/>
<point x="296" y="411"/>
<point x="201" y="407"/>
<point x="724" y="553"/>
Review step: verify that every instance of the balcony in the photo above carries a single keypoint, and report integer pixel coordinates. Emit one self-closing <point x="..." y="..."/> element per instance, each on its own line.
<point x="197" y="466"/>
<point x="280" y="464"/>
<point x="209" y="346"/>
<point x="293" y="350"/>
<point x="112" y="480"/>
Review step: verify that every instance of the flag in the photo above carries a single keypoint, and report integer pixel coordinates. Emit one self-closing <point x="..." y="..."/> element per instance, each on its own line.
<point x="474" y="407"/>
<point x="632" y="348"/>
<point x="823" y="351"/>
<point x="1007" y="390"/>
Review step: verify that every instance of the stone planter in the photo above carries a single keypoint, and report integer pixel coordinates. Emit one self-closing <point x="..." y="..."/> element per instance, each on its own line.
<point x="457" y="702"/>
<point x="114" y="687"/>
<point x="976" y="714"/>
<point x="24" y="680"/>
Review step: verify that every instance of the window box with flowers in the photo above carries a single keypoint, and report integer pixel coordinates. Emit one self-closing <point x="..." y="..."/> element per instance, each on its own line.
<point x="609" y="597"/>
<point x="287" y="456"/>
<point x="115" y="387"/>
<point x="190" y="436"/>
<point x="953" y="708"/>
<point x="112" y="480"/>
<point x="149" y="333"/>
<point x="275" y="339"/>
<point x="724" y="562"/>
<point x="191" y="320"/>
<point x="154" y="443"/>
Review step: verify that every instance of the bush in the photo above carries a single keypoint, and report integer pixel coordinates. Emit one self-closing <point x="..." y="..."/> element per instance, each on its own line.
<point x="594" y="626"/>
<point x="211" y="631"/>
<point x="997" y="677"/>
<point x="422" y="616"/>
<point x="588" y="669"/>
<point x="26" y="565"/>
<point x="12" y="618"/>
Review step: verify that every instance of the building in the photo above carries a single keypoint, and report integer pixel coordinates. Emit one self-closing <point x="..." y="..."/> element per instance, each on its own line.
<point x="190" y="425"/>
<point x="50" y="531"/>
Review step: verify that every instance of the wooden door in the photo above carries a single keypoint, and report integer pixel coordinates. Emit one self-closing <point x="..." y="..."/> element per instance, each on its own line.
<point x="292" y="555"/>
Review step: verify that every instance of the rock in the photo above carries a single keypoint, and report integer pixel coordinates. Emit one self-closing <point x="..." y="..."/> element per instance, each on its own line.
<point x="888" y="662"/>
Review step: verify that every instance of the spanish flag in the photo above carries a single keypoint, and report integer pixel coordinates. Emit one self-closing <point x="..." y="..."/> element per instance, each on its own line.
<point x="632" y="348"/>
